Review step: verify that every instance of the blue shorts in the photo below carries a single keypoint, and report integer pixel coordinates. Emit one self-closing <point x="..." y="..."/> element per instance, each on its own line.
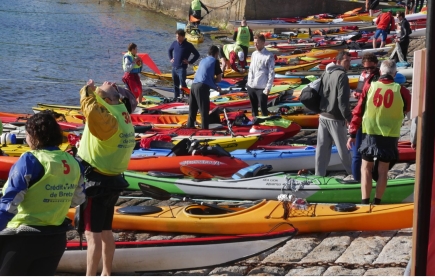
<point x="381" y="32"/>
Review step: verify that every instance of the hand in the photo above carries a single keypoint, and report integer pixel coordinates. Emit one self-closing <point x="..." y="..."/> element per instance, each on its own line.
<point x="138" y="61"/>
<point x="172" y="60"/>
<point x="242" y="71"/>
<point x="91" y="85"/>
<point x="266" y="91"/>
<point x="185" y="61"/>
<point x="218" y="88"/>
<point x="355" y="94"/>
<point x="350" y="143"/>
<point x="413" y="146"/>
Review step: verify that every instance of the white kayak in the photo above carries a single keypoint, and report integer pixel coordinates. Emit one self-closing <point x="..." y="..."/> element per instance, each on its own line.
<point x="185" y="253"/>
<point x="418" y="33"/>
<point x="360" y="53"/>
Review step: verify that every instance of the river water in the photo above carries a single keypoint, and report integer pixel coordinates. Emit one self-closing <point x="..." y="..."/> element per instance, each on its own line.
<point x="50" y="48"/>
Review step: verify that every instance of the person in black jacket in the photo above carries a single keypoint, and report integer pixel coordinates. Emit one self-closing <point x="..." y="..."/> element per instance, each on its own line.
<point x="403" y="37"/>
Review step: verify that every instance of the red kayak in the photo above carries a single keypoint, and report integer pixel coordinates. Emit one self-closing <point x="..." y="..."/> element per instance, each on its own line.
<point x="221" y="165"/>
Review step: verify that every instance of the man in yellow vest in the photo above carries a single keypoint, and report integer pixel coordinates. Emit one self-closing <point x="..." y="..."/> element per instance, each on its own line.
<point x="380" y="112"/>
<point x="243" y="35"/>
<point x="229" y="54"/>
<point x="105" y="148"/>
<point x="195" y="12"/>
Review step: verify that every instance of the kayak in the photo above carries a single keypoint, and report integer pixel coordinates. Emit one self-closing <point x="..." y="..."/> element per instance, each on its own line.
<point x="266" y="215"/>
<point x="281" y="160"/>
<point x="5" y="166"/>
<point x="269" y="186"/>
<point x="180" y="253"/>
<point x="219" y="165"/>
<point x="16" y="150"/>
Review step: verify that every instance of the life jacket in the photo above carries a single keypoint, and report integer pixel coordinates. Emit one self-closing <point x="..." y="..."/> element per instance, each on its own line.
<point x="231" y="47"/>
<point x="243" y="36"/>
<point x="136" y="68"/>
<point x="47" y="201"/>
<point x="110" y="156"/>
<point x="383" y="114"/>
<point x="363" y="79"/>
<point x="252" y="171"/>
<point x="196" y="5"/>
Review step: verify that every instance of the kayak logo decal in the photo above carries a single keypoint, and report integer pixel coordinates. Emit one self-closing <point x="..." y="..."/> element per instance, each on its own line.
<point x="202" y="162"/>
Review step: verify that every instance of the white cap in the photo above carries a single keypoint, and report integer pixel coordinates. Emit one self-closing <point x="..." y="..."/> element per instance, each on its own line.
<point x="241" y="55"/>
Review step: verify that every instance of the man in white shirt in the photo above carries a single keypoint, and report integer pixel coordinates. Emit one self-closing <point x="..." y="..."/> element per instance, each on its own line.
<point x="260" y="76"/>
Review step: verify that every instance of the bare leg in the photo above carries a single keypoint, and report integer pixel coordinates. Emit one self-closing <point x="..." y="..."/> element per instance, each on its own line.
<point x="366" y="178"/>
<point x="371" y="12"/>
<point x="381" y="185"/>
<point x="374" y="43"/>
<point x="94" y="252"/>
<point x="108" y="252"/>
<point x="382" y="44"/>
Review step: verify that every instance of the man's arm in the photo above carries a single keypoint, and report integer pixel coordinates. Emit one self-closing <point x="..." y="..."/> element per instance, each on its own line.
<point x="251" y="34"/>
<point x="195" y="54"/>
<point x="235" y="34"/>
<point x="205" y="8"/>
<point x="170" y="51"/>
<point x="217" y="72"/>
<point x="343" y="97"/>
<point x="271" y="73"/>
<point x="101" y="123"/>
<point x="128" y="65"/>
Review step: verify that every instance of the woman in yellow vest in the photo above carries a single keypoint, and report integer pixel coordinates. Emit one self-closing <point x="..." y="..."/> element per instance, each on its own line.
<point x="42" y="186"/>
<point x="105" y="149"/>
<point x="380" y="113"/>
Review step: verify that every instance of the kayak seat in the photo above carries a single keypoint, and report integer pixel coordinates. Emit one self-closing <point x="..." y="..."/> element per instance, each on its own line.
<point x="165" y="174"/>
<point x="138" y="210"/>
<point x="252" y="171"/>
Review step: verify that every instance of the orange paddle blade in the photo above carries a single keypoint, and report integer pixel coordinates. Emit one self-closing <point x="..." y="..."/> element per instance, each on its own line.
<point x="149" y="62"/>
<point x="193" y="19"/>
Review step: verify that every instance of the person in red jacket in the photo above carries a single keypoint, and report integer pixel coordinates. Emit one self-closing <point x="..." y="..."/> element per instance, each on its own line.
<point x="380" y="111"/>
<point x="384" y="23"/>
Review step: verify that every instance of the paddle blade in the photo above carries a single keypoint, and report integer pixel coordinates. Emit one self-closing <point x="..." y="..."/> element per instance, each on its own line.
<point x="154" y="192"/>
<point x="149" y="62"/>
<point x="186" y="90"/>
<point x="195" y="173"/>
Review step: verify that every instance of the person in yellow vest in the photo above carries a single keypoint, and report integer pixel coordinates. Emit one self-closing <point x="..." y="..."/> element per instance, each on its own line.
<point x="41" y="187"/>
<point x="132" y="65"/>
<point x="195" y="12"/>
<point x="105" y="148"/>
<point x="243" y="35"/>
<point x="380" y="113"/>
<point x="229" y="54"/>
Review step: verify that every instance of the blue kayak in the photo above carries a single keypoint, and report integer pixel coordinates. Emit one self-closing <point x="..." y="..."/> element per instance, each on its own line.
<point x="281" y="160"/>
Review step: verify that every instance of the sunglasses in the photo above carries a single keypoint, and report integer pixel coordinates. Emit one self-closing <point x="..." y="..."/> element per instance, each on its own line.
<point x="370" y="68"/>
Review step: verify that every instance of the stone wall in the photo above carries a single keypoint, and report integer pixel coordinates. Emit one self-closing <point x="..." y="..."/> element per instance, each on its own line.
<point x="225" y="10"/>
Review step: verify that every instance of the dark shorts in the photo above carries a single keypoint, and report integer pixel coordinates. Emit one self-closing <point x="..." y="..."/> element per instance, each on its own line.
<point x="379" y="147"/>
<point x="98" y="215"/>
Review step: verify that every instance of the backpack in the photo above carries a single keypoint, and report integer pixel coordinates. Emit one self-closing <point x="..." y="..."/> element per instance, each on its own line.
<point x="310" y="95"/>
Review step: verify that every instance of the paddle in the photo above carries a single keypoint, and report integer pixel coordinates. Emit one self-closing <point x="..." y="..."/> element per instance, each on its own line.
<point x="161" y="194"/>
<point x="228" y="123"/>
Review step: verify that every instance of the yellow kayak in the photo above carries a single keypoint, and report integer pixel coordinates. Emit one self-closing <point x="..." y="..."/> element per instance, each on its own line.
<point x="163" y="77"/>
<point x="16" y="150"/>
<point x="265" y="216"/>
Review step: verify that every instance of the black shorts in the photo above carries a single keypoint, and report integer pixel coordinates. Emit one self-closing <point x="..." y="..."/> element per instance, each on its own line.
<point x="380" y="147"/>
<point x="98" y="214"/>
